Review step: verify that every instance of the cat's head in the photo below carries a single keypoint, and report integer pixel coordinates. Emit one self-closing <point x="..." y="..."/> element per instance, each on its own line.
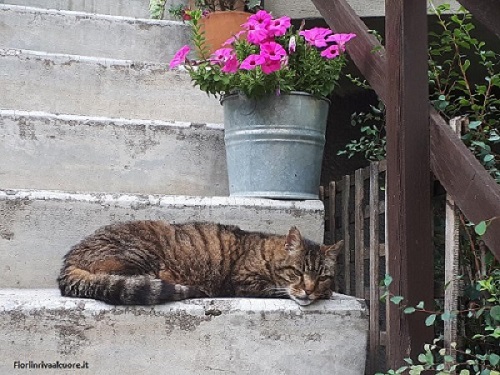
<point x="309" y="268"/>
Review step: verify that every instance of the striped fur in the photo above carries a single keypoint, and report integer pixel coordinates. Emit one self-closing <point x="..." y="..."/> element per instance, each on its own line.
<point x="152" y="262"/>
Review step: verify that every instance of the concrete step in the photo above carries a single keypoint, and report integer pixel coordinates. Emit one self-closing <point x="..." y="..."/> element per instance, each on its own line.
<point x="87" y="34"/>
<point x="38" y="227"/>
<point x="201" y="336"/>
<point x="124" y="8"/>
<point x="75" y="153"/>
<point x="55" y="83"/>
<point x="300" y="9"/>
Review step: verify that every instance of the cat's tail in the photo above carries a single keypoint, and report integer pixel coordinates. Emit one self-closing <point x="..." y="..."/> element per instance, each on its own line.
<point x="121" y="289"/>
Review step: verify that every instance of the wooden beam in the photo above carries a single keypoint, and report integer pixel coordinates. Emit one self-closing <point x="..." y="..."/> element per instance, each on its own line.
<point x="465" y="179"/>
<point x="410" y="249"/>
<point x="451" y="162"/>
<point x="485" y="11"/>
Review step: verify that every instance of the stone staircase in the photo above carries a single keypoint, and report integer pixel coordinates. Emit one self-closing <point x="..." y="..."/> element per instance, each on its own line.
<point x="94" y="129"/>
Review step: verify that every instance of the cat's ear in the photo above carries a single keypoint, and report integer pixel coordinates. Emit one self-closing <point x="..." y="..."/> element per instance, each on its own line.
<point x="333" y="251"/>
<point x="293" y="240"/>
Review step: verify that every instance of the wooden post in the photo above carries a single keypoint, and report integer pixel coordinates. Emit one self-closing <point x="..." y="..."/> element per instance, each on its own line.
<point x="359" y="237"/>
<point x="331" y="203"/>
<point x="374" y="268"/>
<point x="410" y="260"/>
<point x="346" y="182"/>
<point x="451" y="263"/>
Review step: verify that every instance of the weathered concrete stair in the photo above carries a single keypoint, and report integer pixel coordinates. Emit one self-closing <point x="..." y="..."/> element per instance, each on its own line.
<point x="38" y="227"/>
<point x="91" y="34"/>
<point x="80" y="153"/>
<point x="73" y="84"/>
<point x="124" y="8"/>
<point x="210" y="336"/>
<point x="94" y="130"/>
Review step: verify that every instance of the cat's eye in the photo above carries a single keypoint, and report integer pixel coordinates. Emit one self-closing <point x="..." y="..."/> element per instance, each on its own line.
<point x="295" y="273"/>
<point x="323" y="278"/>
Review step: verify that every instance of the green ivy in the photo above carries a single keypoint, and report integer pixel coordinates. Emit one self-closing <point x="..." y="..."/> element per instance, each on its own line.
<point x="454" y="53"/>
<point x="485" y="312"/>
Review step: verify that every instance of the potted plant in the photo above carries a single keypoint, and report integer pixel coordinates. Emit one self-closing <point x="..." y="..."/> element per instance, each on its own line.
<point x="273" y="82"/>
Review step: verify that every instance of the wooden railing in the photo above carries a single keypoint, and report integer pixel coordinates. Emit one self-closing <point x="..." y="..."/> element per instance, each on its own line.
<point x="461" y="174"/>
<point x="415" y="148"/>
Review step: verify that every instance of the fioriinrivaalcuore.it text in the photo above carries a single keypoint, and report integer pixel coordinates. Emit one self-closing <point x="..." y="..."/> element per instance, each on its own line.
<point x="84" y="365"/>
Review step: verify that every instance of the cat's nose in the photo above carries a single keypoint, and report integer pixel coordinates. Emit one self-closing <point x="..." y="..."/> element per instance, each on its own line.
<point x="308" y="291"/>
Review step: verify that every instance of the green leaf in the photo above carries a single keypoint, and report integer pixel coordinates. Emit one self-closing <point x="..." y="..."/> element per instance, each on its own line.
<point x="466" y="65"/>
<point x="495" y="313"/>
<point x="494" y="137"/>
<point x="253" y="3"/>
<point x="409" y="310"/>
<point x="422" y="358"/>
<point x="480" y="228"/>
<point x="430" y="320"/>
<point x="473" y="125"/>
<point x="488" y="157"/>
<point x="420" y="305"/>
<point x="387" y="280"/>
<point x="396" y="299"/>
<point x="447" y="315"/>
<point x="494" y="359"/>
<point x="464" y="372"/>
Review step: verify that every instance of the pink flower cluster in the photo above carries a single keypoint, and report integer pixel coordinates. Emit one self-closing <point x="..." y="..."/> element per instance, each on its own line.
<point x="261" y="30"/>
<point x="320" y="37"/>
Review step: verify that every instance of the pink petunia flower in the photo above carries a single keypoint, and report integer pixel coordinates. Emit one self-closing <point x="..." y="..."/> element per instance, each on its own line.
<point x="179" y="57"/>
<point x="269" y="66"/>
<point x="221" y="55"/>
<point x="340" y="39"/>
<point x="331" y="52"/>
<point x="252" y="61"/>
<point x="279" y="26"/>
<point x="234" y="38"/>
<point x="261" y="18"/>
<point x="231" y="65"/>
<point x="316" y="36"/>
<point x="258" y="36"/>
<point x="272" y="51"/>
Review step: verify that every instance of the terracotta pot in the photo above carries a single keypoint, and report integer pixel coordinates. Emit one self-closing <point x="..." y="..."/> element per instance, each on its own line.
<point x="238" y="5"/>
<point x="220" y="26"/>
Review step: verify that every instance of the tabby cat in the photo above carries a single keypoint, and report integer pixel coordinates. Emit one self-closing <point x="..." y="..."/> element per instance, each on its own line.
<point x="151" y="262"/>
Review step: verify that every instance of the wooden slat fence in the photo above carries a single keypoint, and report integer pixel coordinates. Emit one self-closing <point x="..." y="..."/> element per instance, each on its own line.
<point x="355" y="212"/>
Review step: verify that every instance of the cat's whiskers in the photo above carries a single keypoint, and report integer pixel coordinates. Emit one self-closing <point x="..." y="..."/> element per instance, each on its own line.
<point x="277" y="291"/>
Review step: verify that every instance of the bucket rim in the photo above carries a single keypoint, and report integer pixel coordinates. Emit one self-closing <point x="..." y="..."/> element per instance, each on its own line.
<point x="291" y="93"/>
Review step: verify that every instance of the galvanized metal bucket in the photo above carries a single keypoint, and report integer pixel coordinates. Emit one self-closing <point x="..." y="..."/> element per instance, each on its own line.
<point x="274" y="146"/>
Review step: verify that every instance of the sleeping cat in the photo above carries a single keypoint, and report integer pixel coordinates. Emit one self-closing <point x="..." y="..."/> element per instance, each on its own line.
<point x="151" y="262"/>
